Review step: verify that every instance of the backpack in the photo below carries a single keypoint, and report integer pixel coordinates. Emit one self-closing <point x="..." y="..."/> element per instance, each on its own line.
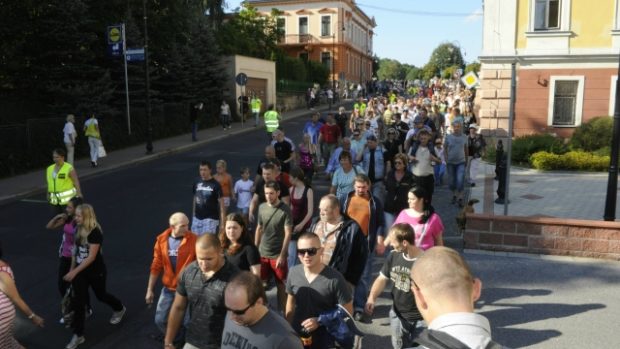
<point x="432" y="339"/>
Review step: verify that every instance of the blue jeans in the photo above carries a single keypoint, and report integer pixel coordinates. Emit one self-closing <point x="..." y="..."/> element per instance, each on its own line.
<point x="389" y="219"/>
<point x="401" y="337"/>
<point x="194" y="130"/>
<point x="440" y="170"/>
<point x="256" y="116"/>
<point x="163" y="310"/>
<point x="292" y="254"/>
<point x="456" y="172"/>
<point x="363" y="286"/>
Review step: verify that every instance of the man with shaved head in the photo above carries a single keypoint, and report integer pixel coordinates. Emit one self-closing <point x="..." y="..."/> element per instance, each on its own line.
<point x="445" y="291"/>
<point x="174" y="250"/>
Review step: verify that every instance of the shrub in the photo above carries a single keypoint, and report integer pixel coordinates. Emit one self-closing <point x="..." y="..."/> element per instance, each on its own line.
<point x="573" y="160"/>
<point x="593" y="135"/>
<point x="524" y="146"/>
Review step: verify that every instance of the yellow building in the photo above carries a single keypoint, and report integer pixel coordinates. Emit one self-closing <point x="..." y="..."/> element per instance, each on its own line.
<point x="337" y="33"/>
<point x="566" y="54"/>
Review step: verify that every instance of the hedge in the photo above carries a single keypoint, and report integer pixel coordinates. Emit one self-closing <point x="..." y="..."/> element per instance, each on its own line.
<point x="573" y="160"/>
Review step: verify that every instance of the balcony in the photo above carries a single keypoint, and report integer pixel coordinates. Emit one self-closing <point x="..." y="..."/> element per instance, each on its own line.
<point x="298" y="39"/>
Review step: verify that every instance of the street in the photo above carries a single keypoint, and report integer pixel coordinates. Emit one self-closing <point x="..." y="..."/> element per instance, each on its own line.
<point x="531" y="302"/>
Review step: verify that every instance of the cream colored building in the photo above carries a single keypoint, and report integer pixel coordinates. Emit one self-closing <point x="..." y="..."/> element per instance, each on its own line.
<point x="261" y="81"/>
<point x="337" y="33"/>
<point x="566" y="54"/>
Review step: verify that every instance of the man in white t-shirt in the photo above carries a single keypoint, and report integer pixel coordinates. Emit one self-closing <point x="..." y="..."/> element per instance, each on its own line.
<point x="69" y="136"/>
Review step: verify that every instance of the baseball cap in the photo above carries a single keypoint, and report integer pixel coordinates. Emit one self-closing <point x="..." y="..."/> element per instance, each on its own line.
<point x="371" y="138"/>
<point x="418" y="120"/>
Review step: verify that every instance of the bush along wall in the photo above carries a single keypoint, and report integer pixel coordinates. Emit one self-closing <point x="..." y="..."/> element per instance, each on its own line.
<point x="573" y="160"/>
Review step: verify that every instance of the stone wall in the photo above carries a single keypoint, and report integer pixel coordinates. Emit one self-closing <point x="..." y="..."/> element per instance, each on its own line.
<point x="543" y="235"/>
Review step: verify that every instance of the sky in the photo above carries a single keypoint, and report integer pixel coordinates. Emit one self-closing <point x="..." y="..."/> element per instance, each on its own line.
<point x="409" y="30"/>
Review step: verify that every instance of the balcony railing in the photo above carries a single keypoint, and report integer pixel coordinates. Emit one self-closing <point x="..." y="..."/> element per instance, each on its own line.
<point x="298" y="39"/>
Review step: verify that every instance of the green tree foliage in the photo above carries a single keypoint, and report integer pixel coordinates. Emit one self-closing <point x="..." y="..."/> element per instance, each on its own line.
<point x="317" y="73"/>
<point x="447" y="55"/>
<point x="390" y="69"/>
<point x="593" y="135"/>
<point x="475" y="67"/>
<point x="250" y="34"/>
<point x="289" y="68"/>
<point x="414" y="73"/>
<point x="430" y="70"/>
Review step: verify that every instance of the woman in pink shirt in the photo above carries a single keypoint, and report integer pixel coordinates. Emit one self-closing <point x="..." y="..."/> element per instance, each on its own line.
<point x="423" y="219"/>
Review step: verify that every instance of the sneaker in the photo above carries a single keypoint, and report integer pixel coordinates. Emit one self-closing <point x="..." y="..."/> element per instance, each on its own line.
<point x="75" y="341"/>
<point x="117" y="316"/>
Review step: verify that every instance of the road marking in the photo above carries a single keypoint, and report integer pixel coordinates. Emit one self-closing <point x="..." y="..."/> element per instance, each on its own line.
<point x="34" y="201"/>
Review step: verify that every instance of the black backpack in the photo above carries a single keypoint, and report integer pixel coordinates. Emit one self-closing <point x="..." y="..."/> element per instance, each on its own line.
<point x="432" y="339"/>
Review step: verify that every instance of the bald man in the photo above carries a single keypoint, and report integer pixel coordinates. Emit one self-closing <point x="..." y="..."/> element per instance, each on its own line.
<point x="174" y="250"/>
<point x="200" y="291"/>
<point x="445" y="291"/>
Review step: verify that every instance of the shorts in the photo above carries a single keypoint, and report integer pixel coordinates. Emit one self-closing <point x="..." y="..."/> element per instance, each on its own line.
<point x="203" y="226"/>
<point x="268" y="267"/>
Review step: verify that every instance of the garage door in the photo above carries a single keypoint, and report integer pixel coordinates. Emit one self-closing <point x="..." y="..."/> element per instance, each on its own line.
<point x="258" y="87"/>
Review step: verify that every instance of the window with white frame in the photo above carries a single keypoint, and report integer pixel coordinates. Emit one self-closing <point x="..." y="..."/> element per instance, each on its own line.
<point x="547" y="14"/>
<point x="566" y="101"/>
<point x="303" y="25"/>
<point x="326" y="25"/>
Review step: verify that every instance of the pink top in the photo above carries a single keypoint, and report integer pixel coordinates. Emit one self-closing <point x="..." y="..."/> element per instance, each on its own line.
<point x="434" y="228"/>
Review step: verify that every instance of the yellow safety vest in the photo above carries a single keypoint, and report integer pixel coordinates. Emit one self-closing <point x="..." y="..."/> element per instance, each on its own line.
<point x="60" y="189"/>
<point x="91" y="130"/>
<point x="271" y="120"/>
<point x="361" y="108"/>
<point x="256" y="104"/>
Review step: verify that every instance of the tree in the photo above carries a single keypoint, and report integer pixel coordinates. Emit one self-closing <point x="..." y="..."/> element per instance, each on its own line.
<point x="390" y="69"/>
<point x="429" y="71"/>
<point x="475" y="67"/>
<point x="446" y="55"/>
<point x="414" y="73"/>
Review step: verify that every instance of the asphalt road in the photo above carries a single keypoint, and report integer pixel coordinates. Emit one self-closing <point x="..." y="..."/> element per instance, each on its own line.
<point x="531" y="302"/>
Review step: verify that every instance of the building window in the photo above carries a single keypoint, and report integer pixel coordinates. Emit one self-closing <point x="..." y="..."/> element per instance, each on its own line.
<point x="326" y="59"/>
<point x="303" y="25"/>
<point x="326" y="25"/>
<point x="281" y="23"/>
<point x="547" y="14"/>
<point x="566" y="101"/>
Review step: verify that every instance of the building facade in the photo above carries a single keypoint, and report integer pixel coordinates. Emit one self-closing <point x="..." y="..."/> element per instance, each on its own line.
<point x="566" y="54"/>
<point x="337" y="33"/>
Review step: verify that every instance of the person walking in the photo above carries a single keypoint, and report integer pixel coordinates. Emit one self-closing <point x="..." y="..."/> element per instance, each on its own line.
<point x="256" y="105"/>
<point x="373" y="164"/>
<point x="92" y="131"/>
<point x="249" y="322"/>
<point x="69" y="137"/>
<point x="67" y="221"/>
<point x="208" y="208"/>
<point x="422" y="155"/>
<point x="226" y="183"/>
<point x="225" y="115"/>
<point x="9" y="299"/>
<point x="421" y="216"/>
<point x="456" y="150"/>
<point x="88" y="270"/>
<point x="398" y="182"/>
<point x="397" y="268"/>
<point x="238" y="246"/>
<point x="302" y="208"/>
<point x="314" y="288"/>
<point x="329" y="138"/>
<point x="62" y="182"/>
<point x="193" y="118"/>
<point x="272" y="120"/>
<point x="476" y="148"/>
<point x="243" y="193"/>
<point x="175" y="248"/>
<point x="200" y="290"/>
<point x="343" y="178"/>
<point x="273" y="233"/>
<point x="306" y="153"/>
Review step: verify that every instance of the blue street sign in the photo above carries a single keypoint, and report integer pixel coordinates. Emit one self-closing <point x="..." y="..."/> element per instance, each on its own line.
<point x="114" y="35"/>
<point x="241" y="79"/>
<point x="135" y="54"/>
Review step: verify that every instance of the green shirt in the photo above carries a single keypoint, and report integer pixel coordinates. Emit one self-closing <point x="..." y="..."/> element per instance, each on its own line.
<point x="272" y="221"/>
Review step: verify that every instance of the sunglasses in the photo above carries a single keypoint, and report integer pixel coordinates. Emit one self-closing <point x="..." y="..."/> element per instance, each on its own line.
<point x="240" y="312"/>
<point x="310" y="251"/>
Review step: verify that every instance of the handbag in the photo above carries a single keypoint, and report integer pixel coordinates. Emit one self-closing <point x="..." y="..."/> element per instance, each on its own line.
<point x="101" y="150"/>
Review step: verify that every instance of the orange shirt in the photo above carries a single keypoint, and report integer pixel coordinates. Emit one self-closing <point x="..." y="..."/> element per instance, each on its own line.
<point x="225" y="182"/>
<point x="359" y="211"/>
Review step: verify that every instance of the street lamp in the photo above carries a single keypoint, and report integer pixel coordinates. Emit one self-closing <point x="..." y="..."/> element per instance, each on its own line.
<point x="149" y="129"/>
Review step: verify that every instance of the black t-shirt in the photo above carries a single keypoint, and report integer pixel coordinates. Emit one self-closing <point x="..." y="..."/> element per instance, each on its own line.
<point x="246" y="257"/>
<point x="397" y="268"/>
<point x="260" y="190"/>
<point x="263" y="161"/>
<point x="283" y="152"/>
<point x="341" y="121"/>
<point x="402" y="128"/>
<point x="391" y="149"/>
<point x="206" y="199"/>
<point x="82" y="251"/>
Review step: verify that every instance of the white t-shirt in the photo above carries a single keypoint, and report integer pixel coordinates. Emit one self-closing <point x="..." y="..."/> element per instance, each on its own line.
<point x="243" y="189"/>
<point x="69" y="130"/>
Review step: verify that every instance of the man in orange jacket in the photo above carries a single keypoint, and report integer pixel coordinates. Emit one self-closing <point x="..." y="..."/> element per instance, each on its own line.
<point x="174" y="249"/>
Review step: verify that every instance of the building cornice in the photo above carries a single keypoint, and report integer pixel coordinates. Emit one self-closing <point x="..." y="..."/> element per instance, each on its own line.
<point x="275" y="3"/>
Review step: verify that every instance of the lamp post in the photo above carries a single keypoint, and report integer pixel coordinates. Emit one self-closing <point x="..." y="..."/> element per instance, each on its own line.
<point x="612" y="179"/>
<point x="149" y="129"/>
<point x="331" y="100"/>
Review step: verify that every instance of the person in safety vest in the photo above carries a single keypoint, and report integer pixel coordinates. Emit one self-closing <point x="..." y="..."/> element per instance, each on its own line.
<point x="256" y="105"/>
<point x="272" y="120"/>
<point x="62" y="182"/>
<point x="361" y="106"/>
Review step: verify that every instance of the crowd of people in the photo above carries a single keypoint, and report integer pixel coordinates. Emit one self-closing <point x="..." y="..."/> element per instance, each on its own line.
<point x="383" y="160"/>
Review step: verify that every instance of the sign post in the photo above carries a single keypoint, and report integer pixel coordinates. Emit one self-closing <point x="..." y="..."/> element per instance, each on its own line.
<point x="242" y="79"/>
<point x="126" y="80"/>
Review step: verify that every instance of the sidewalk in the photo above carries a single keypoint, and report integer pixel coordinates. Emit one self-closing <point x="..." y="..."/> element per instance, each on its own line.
<point x="577" y="195"/>
<point x="31" y="183"/>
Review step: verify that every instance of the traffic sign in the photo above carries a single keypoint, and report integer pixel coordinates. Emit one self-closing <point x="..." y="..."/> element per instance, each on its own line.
<point x="135" y="54"/>
<point x="241" y="79"/>
<point x="470" y="79"/>
<point x="114" y="34"/>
